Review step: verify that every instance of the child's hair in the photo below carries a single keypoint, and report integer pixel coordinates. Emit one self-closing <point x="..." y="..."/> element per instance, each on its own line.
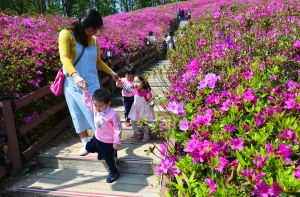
<point x="129" y="70"/>
<point x="145" y="82"/>
<point x="102" y="95"/>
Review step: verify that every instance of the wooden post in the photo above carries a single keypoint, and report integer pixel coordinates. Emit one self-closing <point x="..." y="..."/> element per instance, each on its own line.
<point x="8" y="128"/>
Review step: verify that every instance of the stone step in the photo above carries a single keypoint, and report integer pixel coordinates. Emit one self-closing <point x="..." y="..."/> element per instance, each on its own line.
<point x="132" y="157"/>
<point x="73" y="182"/>
<point x="128" y="131"/>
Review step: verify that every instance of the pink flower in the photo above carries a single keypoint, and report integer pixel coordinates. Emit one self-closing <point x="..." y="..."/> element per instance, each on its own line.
<point x="273" y="77"/>
<point x="276" y="189"/>
<point x="285" y="152"/>
<point x="269" y="148"/>
<point x="297" y="173"/>
<point x="247" y="75"/>
<point x="162" y="151"/>
<point x="248" y="95"/>
<point x="229" y="128"/>
<point x="290" y="104"/>
<point x="297" y="44"/>
<point x="201" y="43"/>
<point x="288" y="134"/>
<point x="184" y="125"/>
<point x="237" y="144"/>
<point x="223" y="163"/>
<point x="262" y="190"/>
<point x="259" y="120"/>
<point x="211" y="184"/>
<point x="194" y="66"/>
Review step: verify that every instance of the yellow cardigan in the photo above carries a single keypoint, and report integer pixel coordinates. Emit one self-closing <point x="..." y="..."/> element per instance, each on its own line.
<point x="67" y="51"/>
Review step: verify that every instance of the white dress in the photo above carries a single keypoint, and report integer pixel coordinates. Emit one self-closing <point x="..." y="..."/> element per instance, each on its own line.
<point x="141" y="109"/>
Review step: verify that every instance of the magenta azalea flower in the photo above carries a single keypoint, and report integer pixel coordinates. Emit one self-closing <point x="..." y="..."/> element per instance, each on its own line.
<point x="276" y="189"/>
<point x="262" y="190"/>
<point x="194" y="66"/>
<point x="297" y="44"/>
<point x="247" y="75"/>
<point x="184" y="125"/>
<point x="209" y="80"/>
<point x="290" y="104"/>
<point x="163" y="147"/>
<point x="248" y="95"/>
<point x="297" y="173"/>
<point x="288" y="134"/>
<point x="201" y="43"/>
<point x="223" y="163"/>
<point x="212" y="186"/>
<point x="285" y="152"/>
<point x="237" y="144"/>
<point x="259" y="120"/>
<point x="229" y="128"/>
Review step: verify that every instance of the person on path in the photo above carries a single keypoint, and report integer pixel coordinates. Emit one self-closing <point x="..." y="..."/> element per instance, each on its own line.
<point x="71" y="42"/>
<point x="169" y="41"/>
<point x="151" y="37"/>
<point x="142" y="106"/>
<point x="128" y="98"/>
<point x="189" y="13"/>
<point x="107" y="138"/>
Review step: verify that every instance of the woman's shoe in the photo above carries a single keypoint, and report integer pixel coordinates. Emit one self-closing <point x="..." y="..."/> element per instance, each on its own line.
<point x="146" y="139"/>
<point x="135" y="135"/>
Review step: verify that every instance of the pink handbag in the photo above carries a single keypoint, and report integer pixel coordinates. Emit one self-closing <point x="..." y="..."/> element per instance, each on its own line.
<point x="57" y="86"/>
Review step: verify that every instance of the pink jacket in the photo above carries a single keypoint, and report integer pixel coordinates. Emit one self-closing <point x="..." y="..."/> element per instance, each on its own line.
<point x="126" y="83"/>
<point x="108" y="127"/>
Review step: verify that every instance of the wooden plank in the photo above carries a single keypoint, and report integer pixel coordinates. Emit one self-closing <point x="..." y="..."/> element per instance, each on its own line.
<point x="25" y="100"/>
<point x="104" y="79"/>
<point x="41" y="118"/>
<point x="2" y="171"/>
<point x="134" y="63"/>
<point x="47" y="138"/>
<point x="115" y="62"/>
<point x="145" y="57"/>
<point x="152" y="54"/>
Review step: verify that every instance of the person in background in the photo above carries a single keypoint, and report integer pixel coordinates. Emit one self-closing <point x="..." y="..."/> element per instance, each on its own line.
<point x="107" y="138"/>
<point x="71" y="42"/>
<point x="169" y="41"/>
<point x="128" y="98"/>
<point x="188" y="16"/>
<point x="142" y="106"/>
<point x="151" y="37"/>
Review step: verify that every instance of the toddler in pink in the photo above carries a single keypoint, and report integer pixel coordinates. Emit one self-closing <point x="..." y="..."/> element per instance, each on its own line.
<point x="108" y="131"/>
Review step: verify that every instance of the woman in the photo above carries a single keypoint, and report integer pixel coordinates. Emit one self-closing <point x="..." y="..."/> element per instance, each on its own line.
<point x="169" y="41"/>
<point x="71" y="42"/>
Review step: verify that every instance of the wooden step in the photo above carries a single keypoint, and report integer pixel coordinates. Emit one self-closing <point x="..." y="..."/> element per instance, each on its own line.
<point x="73" y="182"/>
<point x="132" y="157"/>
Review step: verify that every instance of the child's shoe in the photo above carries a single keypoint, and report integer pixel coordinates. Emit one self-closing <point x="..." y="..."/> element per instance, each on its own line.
<point x="112" y="177"/>
<point x="127" y="123"/>
<point x="135" y="135"/>
<point x="146" y="139"/>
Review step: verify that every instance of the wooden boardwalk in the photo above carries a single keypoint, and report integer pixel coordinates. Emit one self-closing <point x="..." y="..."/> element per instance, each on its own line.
<point x="65" y="173"/>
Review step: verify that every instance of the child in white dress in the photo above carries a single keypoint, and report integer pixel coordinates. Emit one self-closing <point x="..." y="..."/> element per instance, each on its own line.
<point x="142" y="106"/>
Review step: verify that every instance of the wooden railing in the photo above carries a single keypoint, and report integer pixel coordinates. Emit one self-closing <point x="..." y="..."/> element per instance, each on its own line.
<point x="9" y="132"/>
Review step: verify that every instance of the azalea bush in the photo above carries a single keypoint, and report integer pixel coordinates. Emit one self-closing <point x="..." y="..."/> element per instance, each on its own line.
<point x="234" y="103"/>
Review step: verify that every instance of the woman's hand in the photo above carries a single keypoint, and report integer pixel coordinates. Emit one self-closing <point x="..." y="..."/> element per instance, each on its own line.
<point x="79" y="81"/>
<point x="114" y="76"/>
